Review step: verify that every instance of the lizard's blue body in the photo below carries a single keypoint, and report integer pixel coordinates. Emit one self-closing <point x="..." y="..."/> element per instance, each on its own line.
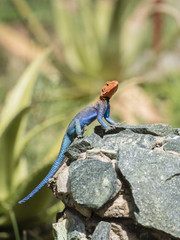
<point x="98" y="110"/>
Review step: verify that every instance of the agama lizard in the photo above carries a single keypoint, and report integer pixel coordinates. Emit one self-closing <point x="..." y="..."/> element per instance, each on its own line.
<point x="97" y="110"/>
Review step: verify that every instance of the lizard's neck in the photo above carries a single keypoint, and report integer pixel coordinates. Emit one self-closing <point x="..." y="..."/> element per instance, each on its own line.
<point x="104" y="99"/>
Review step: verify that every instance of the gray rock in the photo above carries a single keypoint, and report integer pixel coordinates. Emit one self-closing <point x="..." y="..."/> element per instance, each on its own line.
<point x="75" y="235"/>
<point x="59" y="230"/>
<point x="156" y="129"/>
<point x="102" y="231"/>
<point x="176" y="131"/>
<point x="172" y="144"/>
<point x="141" y="135"/>
<point x="106" y="151"/>
<point x="154" y="179"/>
<point x="114" y="141"/>
<point x="83" y="144"/>
<point x="119" y="231"/>
<point x="99" y="130"/>
<point x="109" y="143"/>
<point x="71" y="228"/>
<point x="93" y="182"/>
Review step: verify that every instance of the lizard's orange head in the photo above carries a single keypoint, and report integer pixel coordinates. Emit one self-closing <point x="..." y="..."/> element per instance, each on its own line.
<point x="109" y="89"/>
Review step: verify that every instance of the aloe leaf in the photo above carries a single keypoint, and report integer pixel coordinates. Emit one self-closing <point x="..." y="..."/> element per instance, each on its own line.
<point x="92" y="49"/>
<point x="33" y="210"/>
<point x="20" y="96"/>
<point x="20" y="172"/>
<point x="134" y="32"/>
<point x="37" y="203"/>
<point x="13" y="120"/>
<point x="14" y="224"/>
<point x="7" y="145"/>
<point x="34" y="207"/>
<point x="75" y="36"/>
<point x="35" y="131"/>
<point x="50" y="212"/>
<point x="112" y="53"/>
<point x="4" y="219"/>
<point x="65" y="31"/>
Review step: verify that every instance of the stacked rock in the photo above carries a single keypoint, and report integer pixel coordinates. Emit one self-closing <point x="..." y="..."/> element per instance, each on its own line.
<point x="121" y="185"/>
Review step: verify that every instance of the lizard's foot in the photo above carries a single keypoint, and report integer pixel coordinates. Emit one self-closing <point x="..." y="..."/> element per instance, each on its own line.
<point x="110" y="127"/>
<point x="113" y="126"/>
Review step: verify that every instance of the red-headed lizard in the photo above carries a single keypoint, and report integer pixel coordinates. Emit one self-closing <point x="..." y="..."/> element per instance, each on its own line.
<point x="98" y="110"/>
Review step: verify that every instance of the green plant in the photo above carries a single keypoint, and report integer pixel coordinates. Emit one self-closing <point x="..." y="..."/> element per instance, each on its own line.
<point x="15" y="180"/>
<point x="89" y="34"/>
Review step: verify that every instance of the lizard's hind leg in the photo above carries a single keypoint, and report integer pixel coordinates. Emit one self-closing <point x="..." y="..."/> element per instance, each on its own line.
<point x="78" y="129"/>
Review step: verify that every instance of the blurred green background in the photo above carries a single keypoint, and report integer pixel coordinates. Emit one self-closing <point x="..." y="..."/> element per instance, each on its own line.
<point x="55" y="56"/>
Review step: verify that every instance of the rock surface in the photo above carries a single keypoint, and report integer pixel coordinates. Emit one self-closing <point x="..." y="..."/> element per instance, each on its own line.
<point x="102" y="231"/>
<point x="82" y="145"/>
<point x="119" y="207"/>
<point x="121" y="232"/>
<point x="154" y="179"/>
<point x="113" y="141"/>
<point x="172" y="144"/>
<point x="93" y="182"/>
<point x="128" y="179"/>
<point x="156" y="129"/>
<point x="70" y="228"/>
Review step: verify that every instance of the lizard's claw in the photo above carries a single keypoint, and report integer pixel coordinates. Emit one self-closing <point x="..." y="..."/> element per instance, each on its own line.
<point x="117" y="124"/>
<point x="80" y="136"/>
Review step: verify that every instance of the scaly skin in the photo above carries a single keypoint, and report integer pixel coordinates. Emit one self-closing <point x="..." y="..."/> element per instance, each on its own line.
<point x="98" y="110"/>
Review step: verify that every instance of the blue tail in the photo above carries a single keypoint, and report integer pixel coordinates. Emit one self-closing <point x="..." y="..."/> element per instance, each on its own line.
<point x="66" y="142"/>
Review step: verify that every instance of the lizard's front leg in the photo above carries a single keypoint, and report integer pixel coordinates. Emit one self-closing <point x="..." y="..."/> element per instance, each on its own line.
<point x="112" y="122"/>
<point x="109" y="120"/>
<point x="107" y="117"/>
<point x="100" y="120"/>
